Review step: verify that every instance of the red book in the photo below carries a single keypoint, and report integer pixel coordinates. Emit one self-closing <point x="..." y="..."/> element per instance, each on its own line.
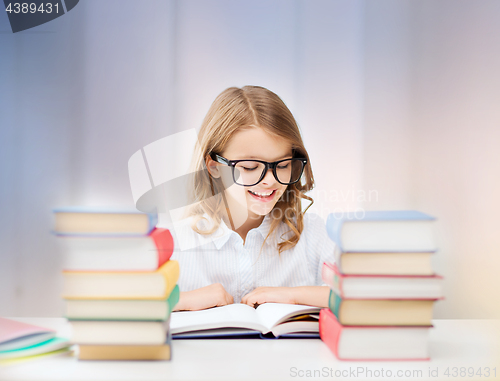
<point x="373" y="343"/>
<point x="127" y="253"/>
<point x="382" y="286"/>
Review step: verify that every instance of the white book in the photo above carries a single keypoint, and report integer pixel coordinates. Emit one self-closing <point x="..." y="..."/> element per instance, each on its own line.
<point x="236" y="319"/>
<point x="384" y="343"/>
<point x="109" y="254"/>
<point x="119" y="332"/>
<point x="126" y="253"/>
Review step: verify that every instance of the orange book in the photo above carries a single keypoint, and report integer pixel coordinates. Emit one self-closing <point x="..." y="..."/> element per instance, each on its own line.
<point x="124" y="352"/>
<point x="121" y="285"/>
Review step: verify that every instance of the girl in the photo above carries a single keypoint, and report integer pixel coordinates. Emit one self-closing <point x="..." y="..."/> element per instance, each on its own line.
<point x="248" y="239"/>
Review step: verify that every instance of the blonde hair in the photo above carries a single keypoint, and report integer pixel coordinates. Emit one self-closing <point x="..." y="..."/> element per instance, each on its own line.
<point x="234" y="109"/>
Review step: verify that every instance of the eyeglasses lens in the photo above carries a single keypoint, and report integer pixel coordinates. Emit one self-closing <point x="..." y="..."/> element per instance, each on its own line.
<point x="249" y="172"/>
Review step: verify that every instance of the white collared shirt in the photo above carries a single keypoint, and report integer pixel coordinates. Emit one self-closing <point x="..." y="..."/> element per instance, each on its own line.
<point x="222" y="257"/>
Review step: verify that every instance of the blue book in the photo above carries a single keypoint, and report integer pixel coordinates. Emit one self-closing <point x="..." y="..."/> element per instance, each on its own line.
<point x="51" y="346"/>
<point x="382" y="231"/>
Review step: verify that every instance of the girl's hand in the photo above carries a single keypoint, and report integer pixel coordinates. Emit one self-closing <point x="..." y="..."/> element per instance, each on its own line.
<point x="214" y="295"/>
<point x="307" y="295"/>
<point x="263" y="295"/>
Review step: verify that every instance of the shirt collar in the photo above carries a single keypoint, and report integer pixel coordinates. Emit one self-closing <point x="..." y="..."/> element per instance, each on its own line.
<point x="222" y="235"/>
<point x="281" y="233"/>
<point x="264" y="227"/>
<point x="186" y="238"/>
<point x="189" y="239"/>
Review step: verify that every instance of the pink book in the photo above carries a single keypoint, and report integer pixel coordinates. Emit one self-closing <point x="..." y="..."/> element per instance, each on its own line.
<point x="373" y="343"/>
<point x="413" y="287"/>
<point x="15" y="334"/>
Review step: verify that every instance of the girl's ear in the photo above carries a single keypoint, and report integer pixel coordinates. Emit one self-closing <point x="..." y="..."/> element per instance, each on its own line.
<point x="213" y="167"/>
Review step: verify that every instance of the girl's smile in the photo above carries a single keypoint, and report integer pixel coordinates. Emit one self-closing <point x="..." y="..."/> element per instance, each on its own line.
<point x="253" y="202"/>
<point x="264" y="195"/>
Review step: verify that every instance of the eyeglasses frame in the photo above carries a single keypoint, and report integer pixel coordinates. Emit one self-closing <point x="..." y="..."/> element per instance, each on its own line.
<point x="232" y="163"/>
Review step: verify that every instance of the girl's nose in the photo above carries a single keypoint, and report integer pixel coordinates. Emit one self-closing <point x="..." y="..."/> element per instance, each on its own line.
<point x="269" y="177"/>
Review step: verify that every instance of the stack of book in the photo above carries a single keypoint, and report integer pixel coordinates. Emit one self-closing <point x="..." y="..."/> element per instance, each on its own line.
<point x="119" y="284"/>
<point x="382" y="285"/>
<point x="20" y="342"/>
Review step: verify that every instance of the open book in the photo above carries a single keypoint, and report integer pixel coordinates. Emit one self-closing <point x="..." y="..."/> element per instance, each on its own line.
<point x="269" y="320"/>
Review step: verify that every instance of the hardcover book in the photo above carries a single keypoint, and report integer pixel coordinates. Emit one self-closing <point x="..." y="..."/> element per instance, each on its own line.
<point x="95" y="332"/>
<point x="81" y="309"/>
<point x="269" y="320"/>
<point x="87" y="221"/>
<point x="373" y="343"/>
<point x="418" y="263"/>
<point x="381" y="311"/>
<point x="382" y="286"/>
<point x="121" y="285"/>
<point x="383" y="231"/>
<point x="125" y="352"/>
<point x="144" y="253"/>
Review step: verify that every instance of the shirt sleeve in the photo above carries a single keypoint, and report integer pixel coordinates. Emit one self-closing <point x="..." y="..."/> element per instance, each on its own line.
<point x="319" y="246"/>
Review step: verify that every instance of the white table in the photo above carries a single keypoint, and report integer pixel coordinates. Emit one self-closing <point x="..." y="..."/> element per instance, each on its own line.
<point x="454" y="343"/>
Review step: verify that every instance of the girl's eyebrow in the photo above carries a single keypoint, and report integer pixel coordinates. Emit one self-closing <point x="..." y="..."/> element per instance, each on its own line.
<point x="256" y="158"/>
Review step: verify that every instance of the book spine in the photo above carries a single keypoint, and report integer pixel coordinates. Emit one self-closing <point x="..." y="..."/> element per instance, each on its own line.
<point x="153" y="221"/>
<point x="124" y="352"/>
<point x="334" y="303"/>
<point x="331" y="278"/>
<point x="173" y="299"/>
<point x="334" y="228"/>
<point x="329" y="330"/>
<point x="164" y="244"/>
<point x="170" y="272"/>
<point x="337" y="253"/>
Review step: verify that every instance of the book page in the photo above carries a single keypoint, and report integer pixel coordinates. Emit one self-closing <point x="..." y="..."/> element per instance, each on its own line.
<point x="295" y="327"/>
<point x="231" y="316"/>
<point x="272" y="314"/>
<point x="219" y="332"/>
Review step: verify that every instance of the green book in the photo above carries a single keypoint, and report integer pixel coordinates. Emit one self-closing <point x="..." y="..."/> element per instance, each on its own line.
<point x="52" y="346"/>
<point x="381" y="312"/>
<point x="123" y="309"/>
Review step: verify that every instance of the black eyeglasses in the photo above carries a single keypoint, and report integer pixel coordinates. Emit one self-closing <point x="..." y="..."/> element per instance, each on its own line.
<point x="251" y="172"/>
